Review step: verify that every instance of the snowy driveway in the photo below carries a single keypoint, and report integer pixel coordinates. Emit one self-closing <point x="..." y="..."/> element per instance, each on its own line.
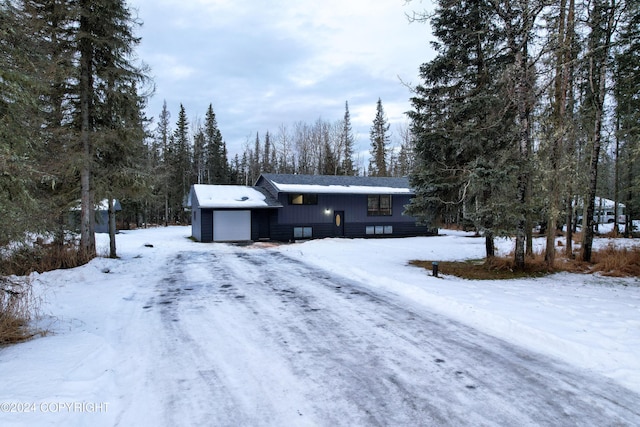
<point x="250" y="336"/>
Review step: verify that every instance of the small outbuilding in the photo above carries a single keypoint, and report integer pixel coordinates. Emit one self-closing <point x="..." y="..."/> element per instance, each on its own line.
<point x="102" y="215"/>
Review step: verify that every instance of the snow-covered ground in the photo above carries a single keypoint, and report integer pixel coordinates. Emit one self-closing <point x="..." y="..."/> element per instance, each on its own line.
<point x="100" y="365"/>
<point x="590" y="321"/>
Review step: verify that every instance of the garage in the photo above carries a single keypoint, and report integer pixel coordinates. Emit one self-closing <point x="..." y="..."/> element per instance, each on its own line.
<point x="230" y="213"/>
<point x="231" y="226"/>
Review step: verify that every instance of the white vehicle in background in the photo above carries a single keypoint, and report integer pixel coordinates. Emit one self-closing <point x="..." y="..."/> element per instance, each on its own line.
<point x="608" y="217"/>
<point x="605" y="213"/>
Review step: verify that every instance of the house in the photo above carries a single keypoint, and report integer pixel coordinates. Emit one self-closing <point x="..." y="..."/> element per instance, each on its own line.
<point x="291" y="207"/>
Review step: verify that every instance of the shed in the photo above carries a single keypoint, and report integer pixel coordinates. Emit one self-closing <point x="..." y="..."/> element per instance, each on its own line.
<point x="102" y="215"/>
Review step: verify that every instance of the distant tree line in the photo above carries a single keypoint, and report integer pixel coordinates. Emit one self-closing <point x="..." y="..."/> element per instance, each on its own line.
<point x="326" y="148"/>
<point x="529" y="110"/>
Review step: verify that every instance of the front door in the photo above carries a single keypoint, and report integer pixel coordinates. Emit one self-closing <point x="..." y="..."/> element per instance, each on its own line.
<point x="338" y="223"/>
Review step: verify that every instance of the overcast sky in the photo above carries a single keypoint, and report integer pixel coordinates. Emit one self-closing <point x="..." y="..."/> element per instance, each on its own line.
<point x="266" y="63"/>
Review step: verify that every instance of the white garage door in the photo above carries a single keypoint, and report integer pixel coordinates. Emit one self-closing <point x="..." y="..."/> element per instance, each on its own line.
<point x="231" y="226"/>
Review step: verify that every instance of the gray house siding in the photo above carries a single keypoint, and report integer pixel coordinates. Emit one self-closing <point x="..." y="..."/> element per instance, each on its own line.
<point x="353" y="204"/>
<point x="202" y="224"/>
<point x="262" y="182"/>
<point x="320" y="218"/>
<point x="206" y="225"/>
<point x="261" y="222"/>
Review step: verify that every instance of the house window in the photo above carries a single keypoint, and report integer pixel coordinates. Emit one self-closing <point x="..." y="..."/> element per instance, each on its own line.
<point x="379" y="229"/>
<point x="302" y="232"/>
<point x="379" y="205"/>
<point x="303" y="199"/>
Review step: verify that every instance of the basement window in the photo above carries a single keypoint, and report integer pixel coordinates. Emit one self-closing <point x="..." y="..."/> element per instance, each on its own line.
<point x="302" y="232"/>
<point x="379" y="229"/>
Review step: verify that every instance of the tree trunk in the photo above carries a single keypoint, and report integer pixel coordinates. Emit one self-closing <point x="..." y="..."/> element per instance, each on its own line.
<point x="112" y="229"/>
<point x="569" y="239"/>
<point x="87" y="213"/>
<point x="616" y="179"/>
<point x="628" y="230"/>
<point x="597" y="80"/>
<point x="559" y="119"/>
<point x="489" y="244"/>
<point x="522" y="95"/>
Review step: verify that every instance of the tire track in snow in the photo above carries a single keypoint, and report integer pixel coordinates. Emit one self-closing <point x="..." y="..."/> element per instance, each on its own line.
<point x="399" y="365"/>
<point x="257" y="338"/>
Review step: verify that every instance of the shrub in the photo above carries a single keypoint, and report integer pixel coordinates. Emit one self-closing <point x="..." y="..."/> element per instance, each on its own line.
<point x="617" y="262"/>
<point x="26" y="259"/>
<point x="18" y="307"/>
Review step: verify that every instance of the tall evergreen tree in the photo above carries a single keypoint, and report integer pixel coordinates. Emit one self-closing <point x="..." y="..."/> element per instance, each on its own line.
<point x="347" y="142"/>
<point x="254" y="160"/>
<point x="602" y="21"/>
<point x="19" y="121"/>
<point x="627" y="98"/>
<point x="51" y="27"/>
<point x="518" y="21"/>
<point x="164" y="173"/>
<point x="199" y="156"/>
<point x="182" y="177"/>
<point x="266" y="156"/>
<point x="463" y="123"/>
<point x="379" y="137"/>
<point x="105" y="45"/>
<point x="214" y="147"/>
<point x="560" y="120"/>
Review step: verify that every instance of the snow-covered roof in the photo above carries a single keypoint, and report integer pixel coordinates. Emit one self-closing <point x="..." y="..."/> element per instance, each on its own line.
<point x="602" y="202"/>
<point x="338" y="189"/>
<point x="606" y="203"/>
<point x="328" y="184"/>
<point x="228" y="196"/>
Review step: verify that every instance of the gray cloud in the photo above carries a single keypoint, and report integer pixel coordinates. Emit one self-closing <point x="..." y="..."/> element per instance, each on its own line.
<point x="265" y="65"/>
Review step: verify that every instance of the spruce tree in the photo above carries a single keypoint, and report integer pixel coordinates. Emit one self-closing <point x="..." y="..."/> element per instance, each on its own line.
<point x="199" y="156"/>
<point x="266" y="156"/>
<point x="627" y="111"/>
<point x="347" y="142"/>
<point x="463" y="125"/>
<point x="20" y="119"/>
<point x="50" y="26"/>
<point x="214" y="148"/>
<point x="181" y="168"/>
<point x="164" y="173"/>
<point x="107" y="73"/>
<point x="379" y="137"/>
<point x="602" y="20"/>
<point x="560" y="120"/>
